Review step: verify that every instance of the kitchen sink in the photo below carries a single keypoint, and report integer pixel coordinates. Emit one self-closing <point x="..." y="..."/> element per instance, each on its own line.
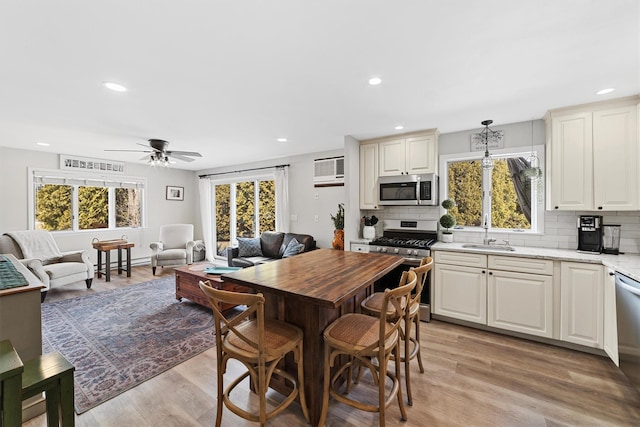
<point x="489" y="247"/>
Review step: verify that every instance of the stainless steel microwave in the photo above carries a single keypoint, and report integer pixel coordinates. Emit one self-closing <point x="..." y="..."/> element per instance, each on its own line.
<point x="408" y="190"/>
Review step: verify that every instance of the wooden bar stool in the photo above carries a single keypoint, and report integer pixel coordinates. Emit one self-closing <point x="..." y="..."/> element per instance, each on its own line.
<point x="372" y="306"/>
<point x="52" y="374"/>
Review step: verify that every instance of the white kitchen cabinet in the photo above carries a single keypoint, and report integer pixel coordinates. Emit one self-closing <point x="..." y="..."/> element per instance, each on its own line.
<point x="369" y="176"/>
<point x="610" y="316"/>
<point x="581" y="304"/>
<point x="593" y="156"/>
<point x="461" y="292"/>
<point x="520" y="302"/>
<point x="407" y="155"/>
<point x="500" y="291"/>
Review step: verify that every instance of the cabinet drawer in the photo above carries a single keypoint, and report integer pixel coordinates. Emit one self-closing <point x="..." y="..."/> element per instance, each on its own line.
<point x="521" y="265"/>
<point x="460" y="258"/>
<point x="358" y="247"/>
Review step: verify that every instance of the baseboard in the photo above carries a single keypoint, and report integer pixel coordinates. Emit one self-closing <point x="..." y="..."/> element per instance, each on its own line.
<point x="33" y="407"/>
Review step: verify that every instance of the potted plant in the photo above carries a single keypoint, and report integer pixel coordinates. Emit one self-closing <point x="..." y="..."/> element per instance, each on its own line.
<point x="447" y="220"/>
<point x="338" y="224"/>
<point x="369" y="231"/>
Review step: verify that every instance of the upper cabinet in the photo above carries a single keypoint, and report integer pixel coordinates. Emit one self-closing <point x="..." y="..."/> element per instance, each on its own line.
<point x="414" y="153"/>
<point x="593" y="156"/>
<point x="369" y="176"/>
<point x="407" y="155"/>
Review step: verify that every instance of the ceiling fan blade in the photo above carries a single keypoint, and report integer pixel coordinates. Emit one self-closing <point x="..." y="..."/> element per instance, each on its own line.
<point x="134" y="151"/>
<point x="145" y="157"/>
<point x="144" y="145"/>
<point x="179" y="157"/>
<point x="184" y="153"/>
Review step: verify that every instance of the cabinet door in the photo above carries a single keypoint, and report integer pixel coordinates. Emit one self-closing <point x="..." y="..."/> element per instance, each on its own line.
<point x="421" y="154"/>
<point x="368" y="176"/>
<point x="581" y="304"/>
<point x="615" y="159"/>
<point x="610" y="316"/>
<point x="392" y="157"/>
<point x="461" y="292"/>
<point x="572" y="162"/>
<point x="520" y="302"/>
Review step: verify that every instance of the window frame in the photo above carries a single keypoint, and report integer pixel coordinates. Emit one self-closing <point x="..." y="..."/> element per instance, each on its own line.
<point x="87" y="179"/>
<point x="537" y="214"/>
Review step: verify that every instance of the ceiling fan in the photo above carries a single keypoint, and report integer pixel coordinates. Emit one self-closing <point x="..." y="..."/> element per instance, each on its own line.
<point x="160" y="154"/>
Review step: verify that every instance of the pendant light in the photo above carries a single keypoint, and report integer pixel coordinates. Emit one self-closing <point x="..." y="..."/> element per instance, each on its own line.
<point x="533" y="171"/>
<point x="487" y="161"/>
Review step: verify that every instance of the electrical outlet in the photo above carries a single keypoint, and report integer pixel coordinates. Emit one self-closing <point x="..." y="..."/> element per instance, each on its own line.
<point x="294" y="217"/>
<point x="315" y="196"/>
<point x="316" y="218"/>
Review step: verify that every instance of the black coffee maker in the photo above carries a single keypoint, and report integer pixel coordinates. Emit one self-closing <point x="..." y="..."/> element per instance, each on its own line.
<point x="590" y="233"/>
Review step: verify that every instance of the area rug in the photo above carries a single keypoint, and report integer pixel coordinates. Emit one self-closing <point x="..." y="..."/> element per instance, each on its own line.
<point x="120" y="338"/>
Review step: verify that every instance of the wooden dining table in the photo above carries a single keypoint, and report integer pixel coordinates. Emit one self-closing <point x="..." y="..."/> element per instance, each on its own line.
<point x="311" y="290"/>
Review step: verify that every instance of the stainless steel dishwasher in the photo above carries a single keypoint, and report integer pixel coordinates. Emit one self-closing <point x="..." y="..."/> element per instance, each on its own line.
<point x="628" y="313"/>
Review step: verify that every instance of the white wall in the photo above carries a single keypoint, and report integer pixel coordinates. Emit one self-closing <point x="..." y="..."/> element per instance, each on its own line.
<point x="302" y="194"/>
<point x="14" y="213"/>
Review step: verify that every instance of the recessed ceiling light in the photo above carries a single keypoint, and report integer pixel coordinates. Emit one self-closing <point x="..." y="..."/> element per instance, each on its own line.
<point x="605" y="91"/>
<point x="43" y="144"/>
<point x="374" y="81"/>
<point x="114" y="86"/>
<point x="281" y="139"/>
<point x="399" y="127"/>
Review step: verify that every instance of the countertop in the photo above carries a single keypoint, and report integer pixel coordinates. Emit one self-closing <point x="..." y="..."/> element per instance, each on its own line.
<point x="629" y="265"/>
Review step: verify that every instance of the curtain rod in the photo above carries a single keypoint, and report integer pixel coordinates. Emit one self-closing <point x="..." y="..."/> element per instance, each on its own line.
<point x="243" y="170"/>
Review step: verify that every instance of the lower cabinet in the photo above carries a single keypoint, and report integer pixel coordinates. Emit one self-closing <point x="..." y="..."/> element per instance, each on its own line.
<point x="581" y="304"/>
<point x="520" y="302"/>
<point x="610" y="316"/>
<point x="498" y="291"/>
<point x="461" y="292"/>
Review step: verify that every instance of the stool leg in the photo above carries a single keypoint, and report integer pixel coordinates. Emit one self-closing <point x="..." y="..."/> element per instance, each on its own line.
<point x="53" y="402"/>
<point x="11" y="401"/>
<point x="107" y="268"/>
<point x="99" y="264"/>
<point x="119" y="261"/>
<point x="128" y="262"/>
<point x="66" y="400"/>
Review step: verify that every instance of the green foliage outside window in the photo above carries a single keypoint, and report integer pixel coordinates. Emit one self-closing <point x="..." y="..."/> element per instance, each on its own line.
<point x="53" y="207"/>
<point x="93" y="208"/>
<point x="465" y="187"/>
<point x="245" y="210"/>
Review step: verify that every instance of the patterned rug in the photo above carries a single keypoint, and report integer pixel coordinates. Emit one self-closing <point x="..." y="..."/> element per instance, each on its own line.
<point x="120" y="338"/>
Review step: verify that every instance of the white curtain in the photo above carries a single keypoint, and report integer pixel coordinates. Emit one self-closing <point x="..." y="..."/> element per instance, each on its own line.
<point x="208" y="217"/>
<point x="282" y="199"/>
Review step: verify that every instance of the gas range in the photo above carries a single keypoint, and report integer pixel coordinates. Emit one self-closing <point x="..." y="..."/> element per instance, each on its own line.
<point x="407" y="238"/>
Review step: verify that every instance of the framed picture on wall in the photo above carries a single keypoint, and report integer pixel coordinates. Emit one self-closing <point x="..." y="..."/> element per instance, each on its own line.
<point x="175" y="193"/>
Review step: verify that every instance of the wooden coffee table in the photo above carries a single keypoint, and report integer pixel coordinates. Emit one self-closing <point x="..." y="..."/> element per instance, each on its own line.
<point x="187" y="284"/>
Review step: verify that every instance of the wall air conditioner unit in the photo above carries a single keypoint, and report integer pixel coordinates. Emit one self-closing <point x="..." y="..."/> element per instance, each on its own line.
<point x="328" y="172"/>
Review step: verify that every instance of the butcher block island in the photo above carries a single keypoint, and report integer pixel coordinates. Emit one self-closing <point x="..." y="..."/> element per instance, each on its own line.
<point x="311" y="290"/>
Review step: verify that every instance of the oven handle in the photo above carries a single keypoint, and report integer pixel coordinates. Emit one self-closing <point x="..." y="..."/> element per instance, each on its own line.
<point x="412" y="261"/>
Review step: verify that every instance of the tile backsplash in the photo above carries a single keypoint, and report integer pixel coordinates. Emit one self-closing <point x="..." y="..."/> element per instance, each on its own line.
<point x="560" y="227"/>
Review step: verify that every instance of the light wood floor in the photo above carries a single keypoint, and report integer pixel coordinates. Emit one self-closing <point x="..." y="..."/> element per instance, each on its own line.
<point x="472" y="378"/>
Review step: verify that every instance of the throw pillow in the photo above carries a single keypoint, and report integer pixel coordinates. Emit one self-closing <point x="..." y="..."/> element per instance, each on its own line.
<point x="249" y="247"/>
<point x="293" y="248"/>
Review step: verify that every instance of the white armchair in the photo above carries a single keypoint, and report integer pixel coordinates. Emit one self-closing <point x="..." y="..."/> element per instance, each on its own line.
<point x="39" y="252"/>
<point x="174" y="247"/>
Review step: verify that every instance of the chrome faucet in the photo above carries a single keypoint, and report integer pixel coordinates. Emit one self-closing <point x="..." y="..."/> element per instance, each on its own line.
<point x="487" y="240"/>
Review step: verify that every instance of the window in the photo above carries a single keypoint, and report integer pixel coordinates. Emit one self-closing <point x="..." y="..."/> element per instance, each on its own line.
<point x="244" y="209"/>
<point x="67" y="201"/>
<point x="502" y="196"/>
